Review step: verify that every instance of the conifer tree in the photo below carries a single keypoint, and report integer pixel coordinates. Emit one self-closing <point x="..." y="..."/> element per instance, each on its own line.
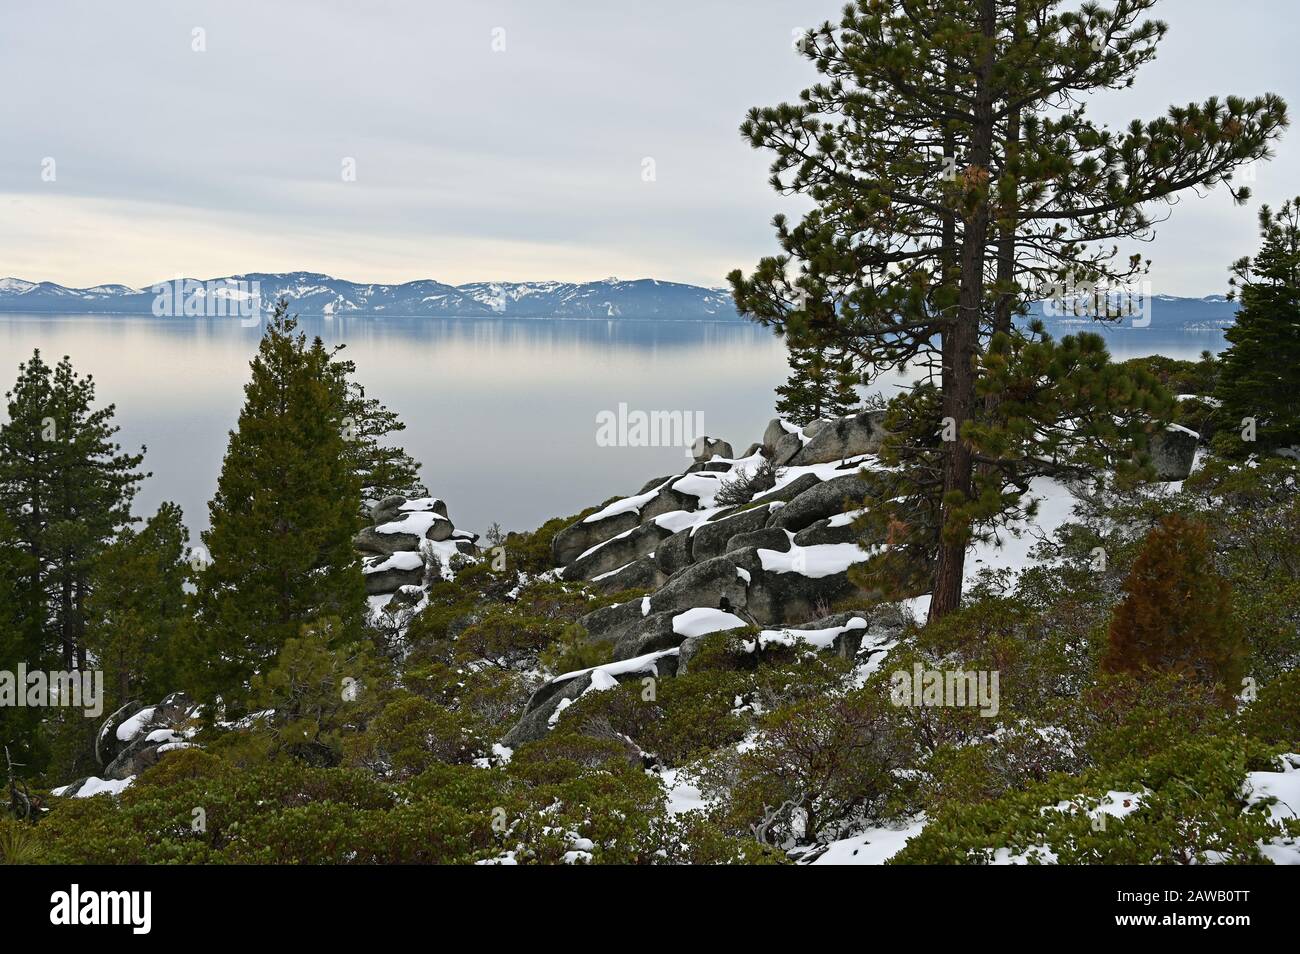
<point x="138" y="607"/>
<point x="382" y="469"/>
<point x="1259" y="378"/>
<point x="66" y="488"/>
<point x="820" y="386"/>
<point x="955" y="177"/>
<point x="20" y="642"/>
<point x="1176" y="614"/>
<point x="283" y="517"/>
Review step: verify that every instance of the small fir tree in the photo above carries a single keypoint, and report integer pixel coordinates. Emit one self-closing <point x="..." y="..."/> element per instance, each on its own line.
<point x="382" y="469"/>
<point x="821" y="385"/>
<point x="1176" y="615"/>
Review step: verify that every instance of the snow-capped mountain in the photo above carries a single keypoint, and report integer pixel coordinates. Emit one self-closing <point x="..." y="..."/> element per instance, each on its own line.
<point x="1166" y="312"/>
<point x="311" y="293"/>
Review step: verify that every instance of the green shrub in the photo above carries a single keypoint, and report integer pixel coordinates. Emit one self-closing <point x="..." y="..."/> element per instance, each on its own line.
<point x="816" y="769"/>
<point x="1188" y="810"/>
<point x="20" y="842"/>
<point x="412" y="733"/>
<point x="1274" y="716"/>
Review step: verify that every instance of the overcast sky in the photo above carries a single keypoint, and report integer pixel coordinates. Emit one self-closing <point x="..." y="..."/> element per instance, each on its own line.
<point x="474" y="162"/>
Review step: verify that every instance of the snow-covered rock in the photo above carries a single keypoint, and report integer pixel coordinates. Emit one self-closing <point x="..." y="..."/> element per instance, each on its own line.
<point x="408" y="534"/>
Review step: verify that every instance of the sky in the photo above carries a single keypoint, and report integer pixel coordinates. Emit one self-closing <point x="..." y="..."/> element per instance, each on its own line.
<point x="471" y="140"/>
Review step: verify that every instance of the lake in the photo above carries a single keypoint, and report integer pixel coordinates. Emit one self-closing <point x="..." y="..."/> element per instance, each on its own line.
<point x="503" y="413"/>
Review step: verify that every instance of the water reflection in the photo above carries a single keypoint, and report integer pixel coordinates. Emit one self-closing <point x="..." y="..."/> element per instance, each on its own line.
<point x="502" y="412"/>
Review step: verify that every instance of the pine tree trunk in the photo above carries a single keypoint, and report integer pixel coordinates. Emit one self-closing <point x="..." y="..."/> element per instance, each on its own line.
<point x="66" y="638"/>
<point x="961" y="341"/>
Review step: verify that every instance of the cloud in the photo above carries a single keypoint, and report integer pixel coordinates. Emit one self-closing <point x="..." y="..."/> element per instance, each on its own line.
<point x="471" y="161"/>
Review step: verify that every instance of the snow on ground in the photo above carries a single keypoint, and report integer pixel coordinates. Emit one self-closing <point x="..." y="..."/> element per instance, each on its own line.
<point x="625" y="504"/>
<point x="836" y="468"/>
<point x="846" y="518"/>
<point x="702" y="620"/>
<point x="131" y="727"/>
<point x="874" y="846"/>
<point x="816" y="638"/>
<point x="647" y="663"/>
<point x="443" y="551"/>
<point x="703" y="485"/>
<point x="417" y="523"/>
<point x="1113" y="804"/>
<point x="405" y="560"/>
<point x="1285" y="787"/>
<point x="617" y="569"/>
<point x="97" y="786"/>
<point x="1011" y="552"/>
<point x="603" y="543"/>
<point x="682" y="796"/>
<point x="816" y="561"/>
<point x="1035" y="855"/>
<point x="681" y="519"/>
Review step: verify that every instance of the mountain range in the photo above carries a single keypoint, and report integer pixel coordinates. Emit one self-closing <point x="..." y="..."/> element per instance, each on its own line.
<point x="312" y="294"/>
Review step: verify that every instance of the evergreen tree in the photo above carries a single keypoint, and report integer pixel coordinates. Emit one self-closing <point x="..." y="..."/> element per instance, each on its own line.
<point x="820" y="386"/>
<point x="381" y="468"/>
<point x="138" y="607"/>
<point x="955" y="177"/>
<point x="66" y="488"/>
<point x="283" y="517"/>
<point x="1260" y="372"/>
<point x="20" y="642"/>
<point x="1176" y="615"/>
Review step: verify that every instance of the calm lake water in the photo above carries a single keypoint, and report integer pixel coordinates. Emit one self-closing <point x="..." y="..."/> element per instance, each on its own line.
<point x="502" y="413"/>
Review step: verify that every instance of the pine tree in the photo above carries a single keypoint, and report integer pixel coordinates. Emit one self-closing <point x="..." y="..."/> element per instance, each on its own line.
<point x="20" y="642"/>
<point x="283" y="517"/>
<point x="382" y="469"/>
<point x="138" y="607"/>
<point x="1176" y="615"/>
<point x="1260" y="372"/>
<point x="820" y="386"/>
<point x="66" y="488"/>
<point x="956" y="177"/>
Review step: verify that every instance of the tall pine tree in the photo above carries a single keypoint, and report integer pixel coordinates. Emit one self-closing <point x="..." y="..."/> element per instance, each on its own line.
<point x="1259" y="378"/>
<point x="20" y="642"/>
<point x="283" y="516"/>
<point x="66" y="488"/>
<point x="955" y="177"/>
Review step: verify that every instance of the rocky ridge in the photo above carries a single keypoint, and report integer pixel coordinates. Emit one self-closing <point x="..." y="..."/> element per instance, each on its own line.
<point x="776" y="563"/>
